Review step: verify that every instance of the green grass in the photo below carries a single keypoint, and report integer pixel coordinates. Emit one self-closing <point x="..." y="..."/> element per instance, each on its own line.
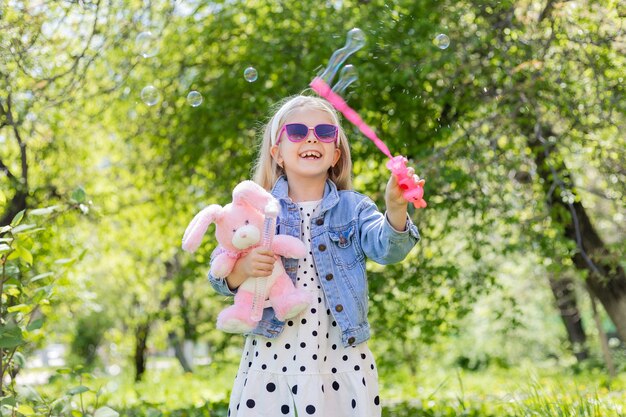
<point x="436" y="392"/>
<point x="540" y="402"/>
<point x="526" y="391"/>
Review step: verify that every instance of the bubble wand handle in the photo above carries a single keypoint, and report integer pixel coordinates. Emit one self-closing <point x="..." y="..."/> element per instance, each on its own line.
<point x="269" y="229"/>
<point x="413" y="191"/>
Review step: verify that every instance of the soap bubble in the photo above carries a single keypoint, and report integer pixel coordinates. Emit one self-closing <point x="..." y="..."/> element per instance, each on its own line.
<point x="441" y="41"/>
<point x="356" y="37"/>
<point x="251" y="74"/>
<point x="347" y="76"/>
<point x="150" y="95"/>
<point x="146" y="44"/>
<point x="194" y="98"/>
<point x="355" y="40"/>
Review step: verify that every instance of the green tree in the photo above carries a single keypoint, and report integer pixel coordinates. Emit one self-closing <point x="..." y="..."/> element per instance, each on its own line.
<point x="516" y="127"/>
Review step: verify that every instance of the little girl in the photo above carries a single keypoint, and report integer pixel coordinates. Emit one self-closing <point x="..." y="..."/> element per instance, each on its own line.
<point x="318" y="363"/>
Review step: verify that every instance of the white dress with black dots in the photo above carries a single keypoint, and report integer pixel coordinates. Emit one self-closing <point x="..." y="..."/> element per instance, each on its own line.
<point x="306" y="368"/>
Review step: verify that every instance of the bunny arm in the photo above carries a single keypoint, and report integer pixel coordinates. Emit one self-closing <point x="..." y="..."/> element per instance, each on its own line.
<point x="222" y="265"/>
<point x="288" y="246"/>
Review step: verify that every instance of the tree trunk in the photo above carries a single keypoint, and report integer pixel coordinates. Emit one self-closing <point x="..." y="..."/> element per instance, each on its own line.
<point x="604" y="341"/>
<point x="20" y="184"/>
<point x="17" y="204"/>
<point x="141" y="338"/>
<point x="179" y="351"/>
<point x="605" y="276"/>
<point x="565" y="295"/>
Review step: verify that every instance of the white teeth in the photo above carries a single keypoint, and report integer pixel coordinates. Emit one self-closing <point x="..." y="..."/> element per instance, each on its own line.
<point x="313" y="154"/>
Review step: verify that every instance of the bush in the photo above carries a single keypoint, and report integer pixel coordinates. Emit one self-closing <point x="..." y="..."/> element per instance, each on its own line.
<point x="432" y="409"/>
<point x="209" y="409"/>
<point x="87" y="337"/>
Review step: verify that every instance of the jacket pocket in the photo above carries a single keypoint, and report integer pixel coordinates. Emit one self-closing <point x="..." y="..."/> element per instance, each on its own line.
<point x="346" y="249"/>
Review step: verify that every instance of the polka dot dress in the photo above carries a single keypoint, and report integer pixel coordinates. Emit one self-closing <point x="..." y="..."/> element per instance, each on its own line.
<point x="306" y="370"/>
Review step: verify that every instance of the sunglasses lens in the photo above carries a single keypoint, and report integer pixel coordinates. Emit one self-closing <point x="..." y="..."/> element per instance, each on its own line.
<point x="297" y="132"/>
<point x="326" y="133"/>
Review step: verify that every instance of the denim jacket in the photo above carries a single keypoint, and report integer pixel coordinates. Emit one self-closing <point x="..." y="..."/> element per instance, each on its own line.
<point x="348" y="229"/>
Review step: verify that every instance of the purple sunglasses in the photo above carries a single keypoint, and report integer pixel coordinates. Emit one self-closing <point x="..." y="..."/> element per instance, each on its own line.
<point x="297" y="132"/>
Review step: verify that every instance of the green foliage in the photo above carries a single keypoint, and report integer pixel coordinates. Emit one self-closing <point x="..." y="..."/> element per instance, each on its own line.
<point x="24" y="296"/>
<point x="567" y="404"/>
<point x="434" y="409"/>
<point x="210" y="409"/>
<point x="437" y="392"/>
<point x="75" y="135"/>
<point x="90" y="330"/>
<point x="78" y="401"/>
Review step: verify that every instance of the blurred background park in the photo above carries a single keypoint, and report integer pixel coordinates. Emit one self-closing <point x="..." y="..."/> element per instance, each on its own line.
<point x="119" y="120"/>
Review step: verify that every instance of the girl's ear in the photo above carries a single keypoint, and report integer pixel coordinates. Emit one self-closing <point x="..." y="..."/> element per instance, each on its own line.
<point x="336" y="156"/>
<point x="276" y="155"/>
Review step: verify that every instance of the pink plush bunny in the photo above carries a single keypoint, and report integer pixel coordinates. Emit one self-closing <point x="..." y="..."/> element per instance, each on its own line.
<point x="239" y="228"/>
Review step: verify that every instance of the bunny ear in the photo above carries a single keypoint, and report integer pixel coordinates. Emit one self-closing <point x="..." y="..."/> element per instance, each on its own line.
<point x="253" y="194"/>
<point x="197" y="228"/>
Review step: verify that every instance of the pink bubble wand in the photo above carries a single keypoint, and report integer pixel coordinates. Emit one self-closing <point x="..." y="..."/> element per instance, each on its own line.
<point x="413" y="191"/>
<point x="269" y="229"/>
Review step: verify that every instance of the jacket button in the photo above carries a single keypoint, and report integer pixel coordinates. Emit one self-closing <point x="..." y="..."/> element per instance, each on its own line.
<point x="329" y="277"/>
<point x="319" y="222"/>
<point x="322" y="247"/>
<point x="339" y="308"/>
<point x="351" y="340"/>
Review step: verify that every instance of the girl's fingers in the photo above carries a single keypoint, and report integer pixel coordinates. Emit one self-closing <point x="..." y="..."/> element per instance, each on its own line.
<point x="265" y="266"/>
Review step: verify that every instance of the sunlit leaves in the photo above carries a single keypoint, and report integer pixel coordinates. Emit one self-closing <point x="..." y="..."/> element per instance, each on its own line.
<point x="17" y="219"/>
<point x="106" y="412"/>
<point x="25" y="410"/>
<point x="10" y="336"/>
<point x="77" y="390"/>
<point x="462" y="115"/>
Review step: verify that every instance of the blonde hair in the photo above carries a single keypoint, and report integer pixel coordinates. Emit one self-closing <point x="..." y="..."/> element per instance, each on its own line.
<point x="267" y="171"/>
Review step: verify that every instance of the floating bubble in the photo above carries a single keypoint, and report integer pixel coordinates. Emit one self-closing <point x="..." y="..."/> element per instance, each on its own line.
<point x="347" y="76"/>
<point x="194" y="98"/>
<point x="441" y="41"/>
<point x="356" y="37"/>
<point x="355" y="41"/>
<point x="146" y="44"/>
<point x="250" y="74"/>
<point x="150" y="95"/>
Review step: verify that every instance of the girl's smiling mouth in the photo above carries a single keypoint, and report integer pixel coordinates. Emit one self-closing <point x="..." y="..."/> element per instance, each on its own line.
<point x="310" y="155"/>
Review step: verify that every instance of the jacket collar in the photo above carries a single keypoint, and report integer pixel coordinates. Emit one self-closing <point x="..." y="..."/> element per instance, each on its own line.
<point x="330" y="199"/>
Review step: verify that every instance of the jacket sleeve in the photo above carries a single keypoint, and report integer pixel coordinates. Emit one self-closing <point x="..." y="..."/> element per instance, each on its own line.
<point x="379" y="240"/>
<point x="219" y="284"/>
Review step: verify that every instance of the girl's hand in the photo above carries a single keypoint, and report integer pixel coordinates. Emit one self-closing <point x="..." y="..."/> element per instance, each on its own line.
<point x="393" y="192"/>
<point x="396" y="203"/>
<point x="259" y="262"/>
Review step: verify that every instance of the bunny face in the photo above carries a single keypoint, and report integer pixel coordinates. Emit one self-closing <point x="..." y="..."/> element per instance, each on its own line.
<point x="239" y="227"/>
